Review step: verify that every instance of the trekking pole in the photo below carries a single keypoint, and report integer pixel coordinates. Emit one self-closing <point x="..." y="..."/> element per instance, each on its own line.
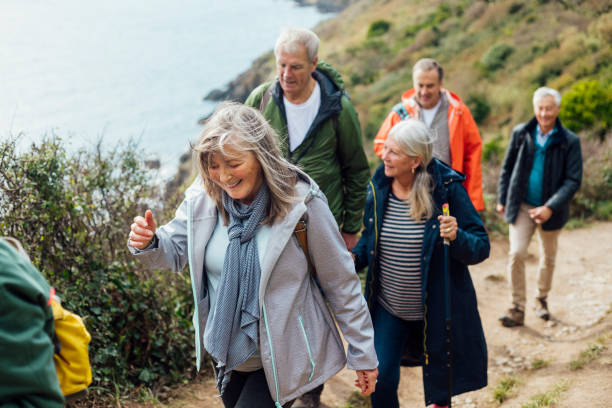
<point x="446" y="213"/>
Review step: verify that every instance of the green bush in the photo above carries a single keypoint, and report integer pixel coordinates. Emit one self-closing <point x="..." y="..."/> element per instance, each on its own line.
<point x="493" y="150"/>
<point x="376" y="117"/>
<point x="378" y="28"/>
<point x="547" y="72"/>
<point x="479" y="106"/>
<point x="587" y="105"/>
<point x="594" y="199"/>
<point x="495" y="57"/>
<point x="73" y="212"/>
<point x="442" y="13"/>
<point x="515" y="8"/>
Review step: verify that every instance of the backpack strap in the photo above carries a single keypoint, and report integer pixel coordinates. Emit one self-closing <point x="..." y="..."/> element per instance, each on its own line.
<point x="301" y="234"/>
<point x="401" y="111"/>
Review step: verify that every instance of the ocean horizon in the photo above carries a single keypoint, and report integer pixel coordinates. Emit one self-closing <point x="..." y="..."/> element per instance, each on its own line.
<point x="121" y="70"/>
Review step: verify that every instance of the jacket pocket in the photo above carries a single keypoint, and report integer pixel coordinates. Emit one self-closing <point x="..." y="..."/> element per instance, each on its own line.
<point x="308" y="349"/>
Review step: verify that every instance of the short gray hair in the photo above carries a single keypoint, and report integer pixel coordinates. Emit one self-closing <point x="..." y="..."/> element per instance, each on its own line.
<point x="426" y="64"/>
<point x="291" y="38"/>
<point x="414" y="139"/>
<point x="544" y="91"/>
<point x="245" y="129"/>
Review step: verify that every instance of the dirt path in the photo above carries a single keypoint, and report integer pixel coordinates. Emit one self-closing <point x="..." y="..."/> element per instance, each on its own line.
<point x="581" y="306"/>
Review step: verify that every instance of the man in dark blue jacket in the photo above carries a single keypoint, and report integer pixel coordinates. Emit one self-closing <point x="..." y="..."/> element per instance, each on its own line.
<point x="540" y="174"/>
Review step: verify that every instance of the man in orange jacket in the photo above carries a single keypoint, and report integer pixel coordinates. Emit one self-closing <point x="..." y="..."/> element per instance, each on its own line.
<point x="458" y="142"/>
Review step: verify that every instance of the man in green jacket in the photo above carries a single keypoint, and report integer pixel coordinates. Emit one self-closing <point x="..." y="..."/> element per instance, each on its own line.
<point x="317" y="125"/>
<point x="27" y="373"/>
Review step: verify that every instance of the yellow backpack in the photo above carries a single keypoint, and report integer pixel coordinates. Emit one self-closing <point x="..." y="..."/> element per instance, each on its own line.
<point x="71" y="352"/>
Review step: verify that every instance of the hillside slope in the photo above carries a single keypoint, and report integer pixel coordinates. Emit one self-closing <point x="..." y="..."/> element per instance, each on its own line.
<point x="494" y="53"/>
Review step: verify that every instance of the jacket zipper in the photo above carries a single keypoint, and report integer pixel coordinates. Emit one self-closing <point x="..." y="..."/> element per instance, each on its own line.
<point x="425" y="330"/>
<point x="265" y="315"/>
<point x="375" y="243"/>
<point x="195" y="295"/>
<point x="312" y="363"/>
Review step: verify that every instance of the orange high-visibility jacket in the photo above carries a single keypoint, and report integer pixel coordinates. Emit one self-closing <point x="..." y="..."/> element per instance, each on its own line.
<point x="465" y="142"/>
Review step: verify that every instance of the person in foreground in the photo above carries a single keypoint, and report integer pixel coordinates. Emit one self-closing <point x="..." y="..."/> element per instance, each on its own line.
<point x="27" y="373"/>
<point x="458" y="143"/>
<point x="317" y="125"/>
<point x="402" y="247"/>
<point x="259" y="313"/>
<point x="540" y="174"/>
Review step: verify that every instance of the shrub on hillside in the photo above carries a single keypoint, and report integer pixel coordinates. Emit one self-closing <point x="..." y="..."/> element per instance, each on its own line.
<point x="588" y="105"/>
<point x="378" y="28"/>
<point x="376" y="116"/>
<point x="495" y="57"/>
<point x="594" y="199"/>
<point x="73" y="212"/>
<point x="479" y="106"/>
<point x="493" y="150"/>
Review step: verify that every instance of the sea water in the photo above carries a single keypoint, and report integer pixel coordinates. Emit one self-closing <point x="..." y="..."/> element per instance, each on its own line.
<point x="121" y="69"/>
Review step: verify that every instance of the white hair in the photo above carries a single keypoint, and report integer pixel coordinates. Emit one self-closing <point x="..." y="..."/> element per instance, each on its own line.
<point x="414" y="139"/>
<point x="291" y="38"/>
<point x="544" y="91"/>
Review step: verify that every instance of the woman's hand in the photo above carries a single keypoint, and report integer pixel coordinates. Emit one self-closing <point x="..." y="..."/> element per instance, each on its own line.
<point x="448" y="227"/>
<point x="366" y="380"/>
<point x="142" y="231"/>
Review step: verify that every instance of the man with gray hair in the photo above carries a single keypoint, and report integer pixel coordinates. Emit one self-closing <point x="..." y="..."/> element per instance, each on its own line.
<point x="319" y="131"/>
<point x="540" y="174"/>
<point x="458" y="142"/>
<point x="317" y="125"/>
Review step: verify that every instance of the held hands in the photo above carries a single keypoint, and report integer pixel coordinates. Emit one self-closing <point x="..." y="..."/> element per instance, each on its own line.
<point x="366" y="380"/>
<point x="142" y="231"/>
<point x="448" y="227"/>
<point x="540" y="214"/>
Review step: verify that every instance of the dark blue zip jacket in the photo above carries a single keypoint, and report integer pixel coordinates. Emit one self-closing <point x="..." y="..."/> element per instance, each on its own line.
<point x="469" y="350"/>
<point x="562" y="173"/>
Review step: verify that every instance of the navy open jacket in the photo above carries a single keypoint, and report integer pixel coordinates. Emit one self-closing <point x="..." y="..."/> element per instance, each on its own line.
<point x="469" y="350"/>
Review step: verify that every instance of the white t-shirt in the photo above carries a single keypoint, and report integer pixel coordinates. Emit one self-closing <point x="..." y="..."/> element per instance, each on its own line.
<point x="430" y="114"/>
<point x="300" y="117"/>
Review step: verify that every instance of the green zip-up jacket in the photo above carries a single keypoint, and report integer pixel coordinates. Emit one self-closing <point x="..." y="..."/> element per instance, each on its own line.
<point x="332" y="151"/>
<point x="27" y="372"/>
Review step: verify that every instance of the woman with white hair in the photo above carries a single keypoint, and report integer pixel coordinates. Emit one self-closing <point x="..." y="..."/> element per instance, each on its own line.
<point x="402" y="245"/>
<point x="259" y="313"/>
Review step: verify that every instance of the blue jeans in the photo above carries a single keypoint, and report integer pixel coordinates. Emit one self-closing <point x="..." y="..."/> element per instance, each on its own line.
<point x="391" y="334"/>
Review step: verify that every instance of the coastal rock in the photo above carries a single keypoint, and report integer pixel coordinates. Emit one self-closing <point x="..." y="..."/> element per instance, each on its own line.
<point x="238" y="89"/>
<point x="325" y="6"/>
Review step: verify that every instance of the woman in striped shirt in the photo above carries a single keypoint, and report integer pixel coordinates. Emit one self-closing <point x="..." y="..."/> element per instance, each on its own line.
<point x="402" y="247"/>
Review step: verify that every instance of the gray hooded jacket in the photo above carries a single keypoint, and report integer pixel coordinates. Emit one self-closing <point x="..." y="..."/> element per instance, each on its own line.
<point x="299" y="343"/>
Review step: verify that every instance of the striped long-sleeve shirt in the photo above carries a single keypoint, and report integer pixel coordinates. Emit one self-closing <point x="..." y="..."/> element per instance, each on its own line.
<point x="401" y="240"/>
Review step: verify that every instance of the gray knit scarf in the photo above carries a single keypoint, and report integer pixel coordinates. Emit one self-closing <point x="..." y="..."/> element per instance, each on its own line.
<point x="233" y="333"/>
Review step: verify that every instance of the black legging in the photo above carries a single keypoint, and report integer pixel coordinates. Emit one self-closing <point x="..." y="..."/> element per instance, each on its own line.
<point x="249" y="390"/>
